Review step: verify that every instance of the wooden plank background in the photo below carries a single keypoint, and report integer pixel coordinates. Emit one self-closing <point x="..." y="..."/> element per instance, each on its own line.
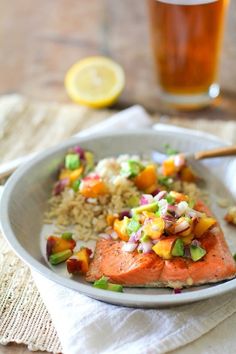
<point x="40" y="40"/>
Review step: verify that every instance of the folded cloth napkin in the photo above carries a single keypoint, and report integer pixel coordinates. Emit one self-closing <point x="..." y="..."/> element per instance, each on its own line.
<point x="89" y="326"/>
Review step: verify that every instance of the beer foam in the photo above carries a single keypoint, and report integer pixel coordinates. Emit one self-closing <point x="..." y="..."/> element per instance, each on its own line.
<point x="187" y="2"/>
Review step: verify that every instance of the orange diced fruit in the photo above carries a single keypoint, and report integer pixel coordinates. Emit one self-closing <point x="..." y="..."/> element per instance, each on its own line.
<point x="110" y="219"/>
<point x="187" y="175"/>
<point x="146" y="178"/>
<point x="168" y="167"/>
<point x="179" y="197"/>
<point x="163" y="248"/>
<point x="57" y="244"/>
<point x="154" y="229"/>
<point x="80" y="261"/>
<point x="92" y="188"/>
<point x="120" y="227"/>
<point x="188" y="239"/>
<point x="203" y="225"/>
<point x="75" y="174"/>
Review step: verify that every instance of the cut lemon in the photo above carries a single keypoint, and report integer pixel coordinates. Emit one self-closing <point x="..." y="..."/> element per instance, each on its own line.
<point x="95" y="82"/>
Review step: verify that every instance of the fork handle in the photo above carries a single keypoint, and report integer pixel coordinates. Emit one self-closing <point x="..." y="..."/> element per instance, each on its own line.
<point x="222" y="151"/>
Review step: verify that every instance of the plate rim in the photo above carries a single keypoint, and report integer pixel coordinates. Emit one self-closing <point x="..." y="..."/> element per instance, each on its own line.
<point x="124" y="299"/>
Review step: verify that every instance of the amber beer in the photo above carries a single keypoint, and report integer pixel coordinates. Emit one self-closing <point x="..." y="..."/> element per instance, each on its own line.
<point x="186" y="38"/>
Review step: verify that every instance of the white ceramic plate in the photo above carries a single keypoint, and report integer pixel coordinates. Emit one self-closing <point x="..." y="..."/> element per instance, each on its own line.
<point x="25" y="200"/>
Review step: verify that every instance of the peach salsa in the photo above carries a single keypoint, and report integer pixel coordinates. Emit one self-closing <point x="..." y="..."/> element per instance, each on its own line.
<point x="147" y="217"/>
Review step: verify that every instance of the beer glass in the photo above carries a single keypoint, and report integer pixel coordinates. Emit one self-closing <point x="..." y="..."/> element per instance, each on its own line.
<point x="186" y="37"/>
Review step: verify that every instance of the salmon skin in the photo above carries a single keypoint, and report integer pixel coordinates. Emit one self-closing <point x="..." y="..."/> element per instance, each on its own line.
<point x="149" y="270"/>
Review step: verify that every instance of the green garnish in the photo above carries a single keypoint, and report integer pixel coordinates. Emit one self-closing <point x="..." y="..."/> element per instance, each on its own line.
<point x="131" y="168"/>
<point x="234" y="256"/>
<point x="67" y="235"/>
<point x="133" y="226"/>
<point x="60" y="257"/>
<point x="197" y="252"/>
<point x="169" y="151"/>
<point x="133" y="201"/>
<point x="72" y="161"/>
<point x="103" y="283"/>
<point x="191" y="203"/>
<point x="165" y="181"/>
<point x="147" y="207"/>
<point x="145" y="238"/>
<point x="89" y="157"/>
<point x="76" y="185"/>
<point x="170" y="199"/>
<point x="158" y="212"/>
<point x="178" y="249"/>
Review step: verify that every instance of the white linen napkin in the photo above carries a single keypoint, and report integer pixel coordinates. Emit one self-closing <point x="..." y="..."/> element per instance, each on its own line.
<point x="88" y="326"/>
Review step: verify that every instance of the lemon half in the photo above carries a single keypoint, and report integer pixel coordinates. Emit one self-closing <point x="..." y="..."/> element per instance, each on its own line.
<point x="95" y="82"/>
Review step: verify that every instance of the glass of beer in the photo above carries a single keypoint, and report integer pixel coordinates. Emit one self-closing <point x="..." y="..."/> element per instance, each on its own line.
<point x="186" y="39"/>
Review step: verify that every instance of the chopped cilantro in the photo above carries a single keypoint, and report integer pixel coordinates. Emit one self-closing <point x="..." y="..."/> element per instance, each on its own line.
<point x="165" y="181"/>
<point x="169" y="151"/>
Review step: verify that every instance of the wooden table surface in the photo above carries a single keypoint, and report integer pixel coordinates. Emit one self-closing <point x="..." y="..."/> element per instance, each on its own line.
<point x="41" y="40"/>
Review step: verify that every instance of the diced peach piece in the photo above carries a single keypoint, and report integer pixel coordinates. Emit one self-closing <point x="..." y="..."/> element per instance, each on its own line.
<point x="154" y="229"/>
<point x="146" y="178"/>
<point x="120" y="227"/>
<point x="75" y="174"/>
<point x="80" y="261"/>
<point x="57" y="244"/>
<point x="64" y="174"/>
<point x="164" y="247"/>
<point x="188" y="239"/>
<point x="202" y="225"/>
<point x="179" y="197"/>
<point x="168" y="167"/>
<point x="92" y="188"/>
<point x="110" y="219"/>
<point x="187" y="175"/>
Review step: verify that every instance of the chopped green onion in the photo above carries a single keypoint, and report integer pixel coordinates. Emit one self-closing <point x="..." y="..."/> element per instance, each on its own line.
<point x="170" y="199"/>
<point x="67" y="235"/>
<point x="72" y="161"/>
<point x="169" y="151"/>
<point x="131" y="168"/>
<point x="165" y="181"/>
<point x="76" y="185"/>
<point x="133" y="226"/>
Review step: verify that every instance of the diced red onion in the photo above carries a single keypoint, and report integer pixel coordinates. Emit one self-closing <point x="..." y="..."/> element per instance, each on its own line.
<point x="182" y="207"/>
<point x="160" y="195"/>
<point x="114" y="235"/>
<point x="92" y="176"/>
<point x="147" y="246"/>
<point x="187" y="253"/>
<point x="78" y="150"/>
<point x="163" y="205"/>
<point x="168" y="224"/>
<point x="179" y="160"/>
<point x="132" y="237"/>
<point x="146" y="199"/>
<point x="138" y="234"/>
<point x="105" y="236"/>
<point x="60" y="186"/>
<point x="129" y="246"/>
<point x="140" y="248"/>
<point x="215" y="230"/>
<point x="172" y="207"/>
<point x="194" y="213"/>
<point x="177" y="291"/>
<point x="124" y="213"/>
<point x="155" y="192"/>
<point x="182" y="226"/>
<point x="154" y="242"/>
<point x="196" y="243"/>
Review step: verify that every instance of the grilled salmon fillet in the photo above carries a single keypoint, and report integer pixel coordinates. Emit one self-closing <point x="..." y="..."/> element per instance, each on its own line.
<point x="149" y="270"/>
